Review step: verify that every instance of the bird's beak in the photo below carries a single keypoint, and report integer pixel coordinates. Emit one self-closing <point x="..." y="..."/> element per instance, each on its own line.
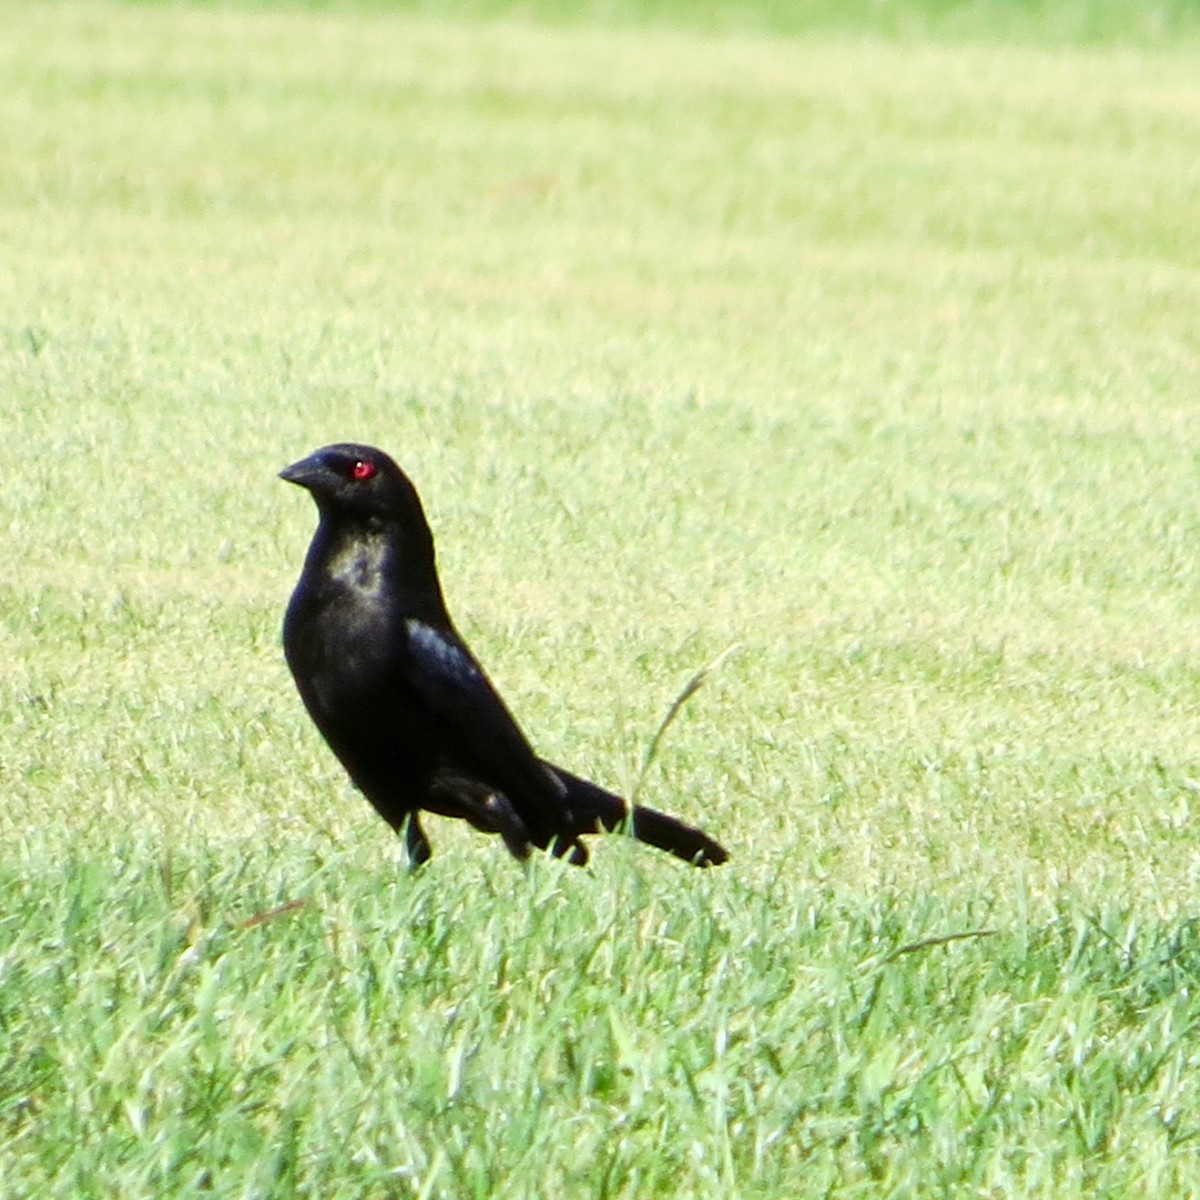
<point x="301" y="473"/>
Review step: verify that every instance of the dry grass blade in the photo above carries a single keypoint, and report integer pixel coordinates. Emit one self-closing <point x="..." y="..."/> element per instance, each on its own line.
<point x="689" y="689"/>
<point x="941" y="940"/>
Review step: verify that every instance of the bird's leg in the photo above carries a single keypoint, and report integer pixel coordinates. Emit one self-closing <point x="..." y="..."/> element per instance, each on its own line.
<point x="419" y="849"/>
<point x="507" y="824"/>
<point x="572" y="849"/>
<point x="486" y="809"/>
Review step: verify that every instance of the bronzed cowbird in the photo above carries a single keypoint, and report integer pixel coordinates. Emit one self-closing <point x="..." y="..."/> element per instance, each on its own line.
<point x="401" y="700"/>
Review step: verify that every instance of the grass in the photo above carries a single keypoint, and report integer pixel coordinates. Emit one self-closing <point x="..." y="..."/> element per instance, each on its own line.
<point x="461" y="1038"/>
<point x="1070" y="22"/>
<point x="875" y="357"/>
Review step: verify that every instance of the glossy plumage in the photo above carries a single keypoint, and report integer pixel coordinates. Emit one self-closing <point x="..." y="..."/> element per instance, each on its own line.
<point x="399" y="697"/>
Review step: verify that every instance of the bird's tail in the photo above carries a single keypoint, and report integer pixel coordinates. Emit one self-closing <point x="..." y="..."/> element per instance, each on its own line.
<point x="595" y="810"/>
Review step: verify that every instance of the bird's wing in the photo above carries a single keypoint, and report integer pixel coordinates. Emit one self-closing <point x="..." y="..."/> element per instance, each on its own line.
<point x="479" y="729"/>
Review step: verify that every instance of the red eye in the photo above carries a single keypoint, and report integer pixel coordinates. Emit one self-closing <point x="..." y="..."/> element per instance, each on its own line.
<point x="362" y="470"/>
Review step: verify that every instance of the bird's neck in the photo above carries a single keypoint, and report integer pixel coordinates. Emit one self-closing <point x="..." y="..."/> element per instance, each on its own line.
<point x="377" y="561"/>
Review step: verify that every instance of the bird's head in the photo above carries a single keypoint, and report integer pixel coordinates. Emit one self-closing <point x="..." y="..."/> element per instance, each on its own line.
<point x="349" y="479"/>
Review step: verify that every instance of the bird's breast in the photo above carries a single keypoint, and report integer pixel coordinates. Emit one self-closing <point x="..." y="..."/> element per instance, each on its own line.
<point x="341" y="642"/>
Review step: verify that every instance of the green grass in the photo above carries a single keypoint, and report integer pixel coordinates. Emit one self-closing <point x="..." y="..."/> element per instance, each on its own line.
<point x="877" y="358"/>
<point x="1060" y="21"/>
<point x="398" y="1037"/>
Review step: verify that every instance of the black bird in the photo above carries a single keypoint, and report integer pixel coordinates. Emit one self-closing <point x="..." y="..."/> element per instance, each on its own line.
<point x="401" y="700"/>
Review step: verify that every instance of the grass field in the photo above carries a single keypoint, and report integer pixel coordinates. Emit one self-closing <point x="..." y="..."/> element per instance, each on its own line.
<point x="877" y="357"/>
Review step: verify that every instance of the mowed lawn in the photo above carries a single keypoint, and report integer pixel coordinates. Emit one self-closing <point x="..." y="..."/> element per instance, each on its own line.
<point x="876" y="360"/>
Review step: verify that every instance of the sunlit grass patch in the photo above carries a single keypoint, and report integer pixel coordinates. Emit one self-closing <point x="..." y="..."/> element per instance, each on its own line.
<point x="874" y="357"/>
